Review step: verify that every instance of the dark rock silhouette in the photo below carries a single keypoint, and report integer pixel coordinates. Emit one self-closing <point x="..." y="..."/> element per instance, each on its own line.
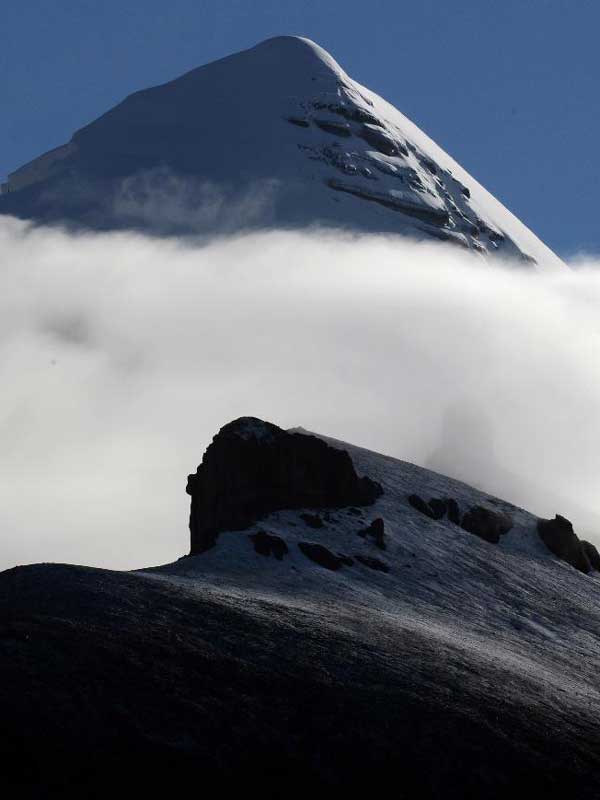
<point x="323" y="556"/>
<point x="560" y="538"/>
<point x="421" y="505"/>
<point x="267" y="544"/>
<point x="487" y="524"/>
<point x="437" y="507"/>
<point x="253" y="468"/>
<point x="592" y="554"/>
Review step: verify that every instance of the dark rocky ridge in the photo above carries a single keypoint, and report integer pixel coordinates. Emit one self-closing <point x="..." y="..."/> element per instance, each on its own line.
<point x="253" y="468"/>
<point x="119" y="685"/>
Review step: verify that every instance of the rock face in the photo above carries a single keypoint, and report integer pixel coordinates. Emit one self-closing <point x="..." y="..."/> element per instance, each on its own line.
<point x="560" y="538"/>
<point x="253" y="468"/>
<point x="487" y="524"/>
<point x="593" y="555"/>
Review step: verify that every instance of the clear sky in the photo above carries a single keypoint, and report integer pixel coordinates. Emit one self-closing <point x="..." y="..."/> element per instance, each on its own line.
<point x="509" y="88"/>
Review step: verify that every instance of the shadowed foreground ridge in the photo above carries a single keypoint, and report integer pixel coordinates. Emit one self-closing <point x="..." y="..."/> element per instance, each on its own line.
<point x="110" y="679"/>
<point x="429" y="641"/>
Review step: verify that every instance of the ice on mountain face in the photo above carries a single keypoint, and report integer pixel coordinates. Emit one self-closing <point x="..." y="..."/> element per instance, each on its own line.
<point x="282" y="113"/>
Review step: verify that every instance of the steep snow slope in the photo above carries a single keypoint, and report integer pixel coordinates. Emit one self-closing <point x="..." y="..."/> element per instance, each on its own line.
<point x="275" y="135"/>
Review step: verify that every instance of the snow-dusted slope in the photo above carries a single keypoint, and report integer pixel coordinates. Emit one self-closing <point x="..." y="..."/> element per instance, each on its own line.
<point x="511" y="603"/>
<point x="466" y="670"/>
<point x="282" y="136"/>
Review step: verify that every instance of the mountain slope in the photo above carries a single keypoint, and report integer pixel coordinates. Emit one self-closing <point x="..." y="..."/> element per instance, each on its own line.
<point x="275" y="135"/>
<point x="467" y="669"/>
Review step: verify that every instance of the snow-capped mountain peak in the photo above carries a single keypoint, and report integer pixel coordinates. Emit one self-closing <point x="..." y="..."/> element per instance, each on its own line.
<point x="287" y="139"/>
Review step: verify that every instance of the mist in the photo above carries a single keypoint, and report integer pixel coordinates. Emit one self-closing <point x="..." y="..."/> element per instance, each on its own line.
<point x="122" y="355"/>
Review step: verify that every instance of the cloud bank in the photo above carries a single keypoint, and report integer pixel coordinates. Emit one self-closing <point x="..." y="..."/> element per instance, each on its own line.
<point x="122" y="355"/>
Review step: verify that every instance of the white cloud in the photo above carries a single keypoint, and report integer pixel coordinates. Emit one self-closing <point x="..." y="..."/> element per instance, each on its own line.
<point x="122" y="355"/>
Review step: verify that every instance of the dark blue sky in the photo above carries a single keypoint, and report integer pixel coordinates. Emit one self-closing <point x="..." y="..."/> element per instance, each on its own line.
<point x="509" y="88"/>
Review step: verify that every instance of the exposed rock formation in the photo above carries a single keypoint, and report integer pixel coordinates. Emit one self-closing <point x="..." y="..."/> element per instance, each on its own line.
<point x="376" y="531"/>
<point x="560" y="538"/>
<point x="593" y="555"/>
<point x="421" y="505"/>
<point x="267" y="544"/>
<point x="253" y="468"/>
<point x="487" y="524"/>
<point x="437" y="507"/>
<point x="324" y="557"/>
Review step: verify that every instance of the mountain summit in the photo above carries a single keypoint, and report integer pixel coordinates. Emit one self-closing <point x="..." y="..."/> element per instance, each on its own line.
<point x="277" y="135"/>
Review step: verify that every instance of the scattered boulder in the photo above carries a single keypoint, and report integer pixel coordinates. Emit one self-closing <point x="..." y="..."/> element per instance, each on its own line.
<point x="420" y="505"/>
<point x="267" y="544"/>
<point x="324" y="557"/>
<point x="592" y="554"/>
<point x="560" y="538"/>
<point x="253" y="468"/>
<point x="486" y="524"/>
<point x="372" y="563"/>
<point x="312" y="520"/>
<point x="437" y="507"/>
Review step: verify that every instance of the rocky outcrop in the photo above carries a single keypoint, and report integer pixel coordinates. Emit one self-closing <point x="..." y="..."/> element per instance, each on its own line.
<point x="323" y="556"/>
<point x="437" y="507"/>
<point x="376" y="531"/>
<point x="592" y="554"/>
<point x="487" y="524"/>
<point x="560" y="538"/>
<point x="253" y="468"/>
<point x="267" y="544"/>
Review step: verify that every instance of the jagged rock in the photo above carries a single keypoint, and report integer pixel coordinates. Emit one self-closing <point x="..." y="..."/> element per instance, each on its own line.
<point x="592" y="554"/>
<point x="372" y="563"/>
<point x="312" y="520"/>
<point x="487" y="524"/>
<point x="324" y="557"/>
<point x="253" y="468"/>
<point x="560" y="538"/>
<point x="420" y="505"/>
<point x="453" y="511"/>
<point x="381" y="140"/>
<point x="267" y="544"/>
